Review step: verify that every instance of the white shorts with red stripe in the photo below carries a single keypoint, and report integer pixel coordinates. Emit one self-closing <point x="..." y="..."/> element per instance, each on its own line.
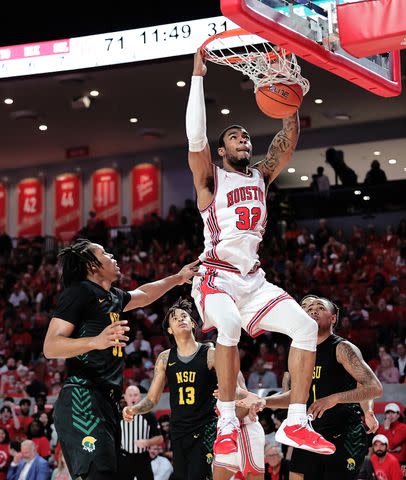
<point x="250" y="455"/>
<point x="260" y="305"/>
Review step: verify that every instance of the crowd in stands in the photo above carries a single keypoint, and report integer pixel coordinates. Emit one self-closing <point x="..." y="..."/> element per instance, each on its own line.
<point x="363" y="273"/>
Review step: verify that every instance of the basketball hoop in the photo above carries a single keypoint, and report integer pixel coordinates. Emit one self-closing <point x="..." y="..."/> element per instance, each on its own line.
<point x="262" y="62"/>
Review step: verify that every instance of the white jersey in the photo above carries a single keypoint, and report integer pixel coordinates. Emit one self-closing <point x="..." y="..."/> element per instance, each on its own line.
<point x="234" y="221"/>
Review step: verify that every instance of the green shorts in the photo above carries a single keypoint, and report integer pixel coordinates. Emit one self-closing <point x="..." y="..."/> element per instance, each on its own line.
<point x="88" y="425"/>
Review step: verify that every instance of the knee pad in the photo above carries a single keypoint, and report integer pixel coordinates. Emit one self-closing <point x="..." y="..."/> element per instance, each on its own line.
<point x="304" y="335"/>
<point x="229" y="331"/>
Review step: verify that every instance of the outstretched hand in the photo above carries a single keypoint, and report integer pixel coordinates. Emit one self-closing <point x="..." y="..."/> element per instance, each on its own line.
<point x="253" y="403"/>
<point x="188" y="271"/>
<point x="112" y="336"/>
<point x="320" y="406"/>
<point x="199" y="66"/>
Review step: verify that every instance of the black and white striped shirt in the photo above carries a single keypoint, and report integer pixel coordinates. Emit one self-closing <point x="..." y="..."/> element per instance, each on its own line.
<point x="142" y="427"/>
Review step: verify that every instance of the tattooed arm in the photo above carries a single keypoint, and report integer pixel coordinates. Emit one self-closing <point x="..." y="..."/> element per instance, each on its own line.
<point x="368" y="385"/>
<point x="281" y="149"/>
<point x="155" y="390"/>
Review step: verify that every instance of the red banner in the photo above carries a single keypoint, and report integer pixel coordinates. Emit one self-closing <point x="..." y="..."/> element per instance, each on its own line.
<point x="146" y="192"/>
<point x="106" y="195"/>
<point x="30" y="207"/>
<point x="67" y="206"/>
<point x="3" y="207"/>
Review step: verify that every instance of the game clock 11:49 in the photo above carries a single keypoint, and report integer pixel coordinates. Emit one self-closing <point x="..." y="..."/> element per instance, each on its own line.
<point x="161" y="41"/>
<point x="176" y="39"/>
<point x="127" y="46"/>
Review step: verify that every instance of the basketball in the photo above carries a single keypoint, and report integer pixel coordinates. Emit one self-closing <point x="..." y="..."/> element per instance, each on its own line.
<point x="279" y="100"/>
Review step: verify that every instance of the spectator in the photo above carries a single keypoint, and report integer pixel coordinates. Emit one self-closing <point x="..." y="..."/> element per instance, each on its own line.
<point x="165" y="427"/>
<point x="9" y="420"/>
<point x="25" y="417"/>
<point x="40" y="402"/>
<point x="31" y="466"/>
<point x="395" y="432"/>
<point x="323" y="233"/>
<point x="43" y="419"/>
<point x="56" y="384"/>
<point x="5" y="458"/>
<point x="375" y="176"/>
<point x="385" y="464"/>
<point x="139" y="344"/>
<point x="401" y="360"/>
<point x="276" y="467"/>
<point x="18" y="296"/>
<point x="260" y="377"/>
<point x="386" y="371"/>
<point x="35" y="387"/>
<point x="36" y="433"/>
<point x="335" y="158"/>
<point x="61" y="471"/>
<point x="323" y="183"/>
<point x="161" y="466"/>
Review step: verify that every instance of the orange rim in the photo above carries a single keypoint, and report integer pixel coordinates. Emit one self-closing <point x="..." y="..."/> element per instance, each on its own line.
<point x="233" y="33"/>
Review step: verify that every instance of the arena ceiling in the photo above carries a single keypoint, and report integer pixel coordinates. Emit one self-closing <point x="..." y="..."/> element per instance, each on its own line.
<point x="148" y="92"/>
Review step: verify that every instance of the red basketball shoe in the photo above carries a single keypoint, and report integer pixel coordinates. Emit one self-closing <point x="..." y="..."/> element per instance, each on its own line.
<point x="303" y="436"/>
<point x="227" y="434"/>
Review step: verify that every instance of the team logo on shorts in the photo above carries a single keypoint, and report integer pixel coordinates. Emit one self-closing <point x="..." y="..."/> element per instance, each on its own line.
<point x="89" y="444"/>
<point x="209" y="458"/>
<point x="350" y="464"/>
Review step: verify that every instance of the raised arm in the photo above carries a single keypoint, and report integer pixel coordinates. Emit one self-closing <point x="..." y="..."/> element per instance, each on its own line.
<point x="368" y="386"/>
<point x="155" y="390"/>
<point x="281" y="149"/>
<point x="199" y="150"/>
<point x="148" y="293"/>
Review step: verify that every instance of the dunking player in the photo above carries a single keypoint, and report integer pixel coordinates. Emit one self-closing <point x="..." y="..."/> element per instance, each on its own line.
<point x="233" y="291"/>
<point x="188" y="368"/>
<point x="342" y="382"/>
<point x="87" y="330"/>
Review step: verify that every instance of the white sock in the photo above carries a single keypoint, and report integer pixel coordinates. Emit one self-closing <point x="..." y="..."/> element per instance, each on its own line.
<point x="296" y="413"/>
<point x="226" y="409"/>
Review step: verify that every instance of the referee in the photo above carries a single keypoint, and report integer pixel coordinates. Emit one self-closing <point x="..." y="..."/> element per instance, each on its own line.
<point x="136" y="437"/>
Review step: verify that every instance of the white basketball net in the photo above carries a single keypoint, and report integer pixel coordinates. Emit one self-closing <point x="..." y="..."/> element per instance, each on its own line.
<point x="262" y="62"/>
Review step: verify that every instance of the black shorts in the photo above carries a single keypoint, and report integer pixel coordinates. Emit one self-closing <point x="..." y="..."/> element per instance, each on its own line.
<point x="193" y="454"/>
<point x="132" y="465"/>
<point x="88" y="425"/>
<point x="344" y="464"/>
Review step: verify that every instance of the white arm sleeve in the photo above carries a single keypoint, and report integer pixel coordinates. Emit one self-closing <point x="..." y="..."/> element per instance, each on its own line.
<point x="196" y="116"/>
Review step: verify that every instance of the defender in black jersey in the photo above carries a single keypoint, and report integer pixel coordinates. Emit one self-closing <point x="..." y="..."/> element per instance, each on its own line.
<point x="188" y="368"/>
<point x="86" y="330"/>
<point x="342" y="385"/>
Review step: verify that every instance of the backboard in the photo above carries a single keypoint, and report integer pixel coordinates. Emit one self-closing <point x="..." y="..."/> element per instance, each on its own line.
<point x="310" y="30"/>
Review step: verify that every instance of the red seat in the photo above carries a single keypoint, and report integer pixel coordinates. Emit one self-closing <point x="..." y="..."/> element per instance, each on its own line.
<point x="158" y="413"/>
